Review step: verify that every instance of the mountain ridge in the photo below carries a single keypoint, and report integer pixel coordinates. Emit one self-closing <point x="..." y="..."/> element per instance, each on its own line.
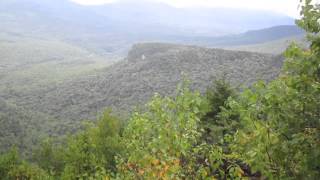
<point x="146" y="71"/>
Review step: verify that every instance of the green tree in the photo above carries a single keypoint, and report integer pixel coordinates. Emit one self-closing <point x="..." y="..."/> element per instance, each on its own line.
<point x="107" y="139"/>
<point x="12" y="168"/>
<point x="158" y="139"/>
<point x="7" y="162"/>
<point x="91" y="153"/>
<point x="280" y="127"/>
<point x="213" y="125"/>
<point x="50" y="157"/>
<point x="163" y="142"/>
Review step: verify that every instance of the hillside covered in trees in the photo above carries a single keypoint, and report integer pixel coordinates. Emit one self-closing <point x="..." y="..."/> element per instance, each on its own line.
<point x="58" y="95"/>
<point x="268" y="131"/>
<point x="151" y="68"/>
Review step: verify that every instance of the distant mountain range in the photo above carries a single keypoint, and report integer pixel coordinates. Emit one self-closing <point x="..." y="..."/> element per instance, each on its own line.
<point x="113" y="28"/>
<point x="273" y="47"/>
<point x="163" y="19"/>
<point x="255" y="36"/>
<point x="147" y="17"/>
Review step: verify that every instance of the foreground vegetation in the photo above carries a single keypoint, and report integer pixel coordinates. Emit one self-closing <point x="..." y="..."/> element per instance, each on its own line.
<point x="271" y="131"/>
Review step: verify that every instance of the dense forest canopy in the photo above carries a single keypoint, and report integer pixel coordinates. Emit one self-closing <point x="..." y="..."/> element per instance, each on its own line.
<point x="268" y="131"/>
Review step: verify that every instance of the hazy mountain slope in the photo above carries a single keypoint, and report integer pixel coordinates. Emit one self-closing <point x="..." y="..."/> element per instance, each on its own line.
<point x="113" y="28"/>
<point x="189" y="21"/>
<point x="46" y="17"/>
<point x="151" y="68"/>
<point x="253" y="37"/>
<point x="22" y="128"/>
<point x="63" y="20"/>
<point x="34" y="106"/>
<point x="12" y="131"/>
<point x="272" y="47"/>
<point x="29" y="64"/>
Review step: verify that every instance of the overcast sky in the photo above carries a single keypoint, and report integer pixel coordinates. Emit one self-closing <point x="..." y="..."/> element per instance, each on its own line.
<point x="289" y="7"/>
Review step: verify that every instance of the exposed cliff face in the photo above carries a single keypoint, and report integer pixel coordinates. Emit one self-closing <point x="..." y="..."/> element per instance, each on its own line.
<point x="151" y="68"/>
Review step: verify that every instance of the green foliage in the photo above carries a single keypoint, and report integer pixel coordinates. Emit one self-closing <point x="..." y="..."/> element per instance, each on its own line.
<point x="280" y="120"/>
<point x="12" y="168"/>
<point x="106" y="137"/>
<point x="81" y="161"/>
<point x="26" y="171"/>
<point x="7" y="162"/>
<point x="92" y="152"/>
<point x="165" y="142"/>
<point x="50" y="157"/>
<point x="213" y="125"/>
<point x="157" y="140"/>
<point x="88" y="154"/>
<point x="217" y="95"/>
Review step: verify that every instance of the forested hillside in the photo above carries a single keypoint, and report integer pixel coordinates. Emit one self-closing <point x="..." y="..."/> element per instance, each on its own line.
<point x="29" y="65"/>
<point x="270" y="130"/>
<point x="23" y="129"/>
<point x="60" y="105"/>
<point x="150" y="68"/>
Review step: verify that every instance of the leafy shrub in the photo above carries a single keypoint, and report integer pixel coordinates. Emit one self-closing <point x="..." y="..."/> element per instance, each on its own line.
<point x="280" y="120"/>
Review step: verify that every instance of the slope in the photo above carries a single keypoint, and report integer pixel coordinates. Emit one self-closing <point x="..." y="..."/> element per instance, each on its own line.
<point x="150" y="68"/>
<point x="253" y="36"/>
<point x="27" y="64"/>
<point x="272" y="47"/>
<point x="113" y="28"/>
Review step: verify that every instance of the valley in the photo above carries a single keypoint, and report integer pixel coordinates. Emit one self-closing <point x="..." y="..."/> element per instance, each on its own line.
<point x="62" y="63"/>
<point x="59" y="103"/>
<point x="159" y="89"/>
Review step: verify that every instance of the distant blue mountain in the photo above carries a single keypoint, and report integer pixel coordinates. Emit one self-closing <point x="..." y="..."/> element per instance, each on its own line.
<point x="190" y="21"/>
<point x="116" y="26"/>
<point x="147" y="17"/>
<point x="254" y="36"/>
